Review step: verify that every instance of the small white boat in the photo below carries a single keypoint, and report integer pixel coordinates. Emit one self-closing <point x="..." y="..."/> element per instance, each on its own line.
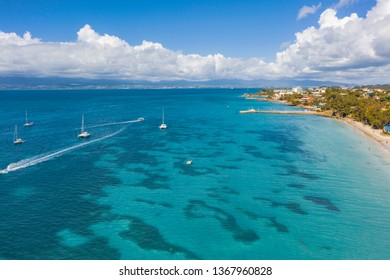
<point x="17" y="140"/>
<point x="27" y="123"/>
<point x="141" y="119"/>
<point x="189" y="162"/>
<point x="163" y="125"/>
<point x="83" y="133"/>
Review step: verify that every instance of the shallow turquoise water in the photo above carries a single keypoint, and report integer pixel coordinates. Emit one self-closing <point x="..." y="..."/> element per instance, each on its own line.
<point x="260" y="186"/>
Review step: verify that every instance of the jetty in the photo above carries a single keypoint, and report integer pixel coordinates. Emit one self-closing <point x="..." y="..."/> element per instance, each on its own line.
<point x="251" y="111"/>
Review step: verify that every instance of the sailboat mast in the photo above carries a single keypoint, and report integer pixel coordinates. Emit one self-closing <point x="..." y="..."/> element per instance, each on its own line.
<point x="16" y="133"/>
<point x="163" y="116"/>
<point x="82" y="123"/>
<point x="26" y="116"/>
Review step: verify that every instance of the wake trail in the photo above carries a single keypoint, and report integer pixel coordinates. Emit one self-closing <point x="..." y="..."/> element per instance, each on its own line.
<point x="45" y="157"/>
<point x="114" y="123"/>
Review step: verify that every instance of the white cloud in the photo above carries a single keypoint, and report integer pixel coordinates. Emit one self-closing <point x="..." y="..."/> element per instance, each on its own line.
<point x="88" y="35"/>
<point x="343" y="49"/>
<point x="343" y="3"/>
<point x="14" y="39"/>
<point x="96" y="56"/>
<point x="307" y="10"/>
<point x="348" y="49"/>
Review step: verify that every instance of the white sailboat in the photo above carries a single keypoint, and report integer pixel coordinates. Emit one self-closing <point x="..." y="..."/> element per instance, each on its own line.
<point x="16" y="139"/>
<point x="83" y="133"/>
<point x="27" y="123"/>
<point x="163" y="125"/>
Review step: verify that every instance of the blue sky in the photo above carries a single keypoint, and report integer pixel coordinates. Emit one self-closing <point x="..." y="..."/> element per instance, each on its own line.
<point x="235" y="28"/>
<point x="240" y="30"/>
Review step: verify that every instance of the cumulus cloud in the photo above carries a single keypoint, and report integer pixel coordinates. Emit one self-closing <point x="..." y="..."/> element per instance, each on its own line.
<point x="307" y="10"/>
<point x="14" y="39"/>
<point x="346" y="49"/>
<point x="96" y="56"/>
<point x="88" y="35"/>
<point x="343" y="49"/>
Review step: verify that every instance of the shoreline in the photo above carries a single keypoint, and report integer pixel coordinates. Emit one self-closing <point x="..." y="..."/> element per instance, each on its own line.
<point x="279" y="112"/>
<point x="376" y="135"/>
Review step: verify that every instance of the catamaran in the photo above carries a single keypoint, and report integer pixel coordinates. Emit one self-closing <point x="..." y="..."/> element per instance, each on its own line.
<point x="83" y="133"/>
<point x="27" y="122"/>
<point x="163" y="125"/>
<point x="16" y="139"/>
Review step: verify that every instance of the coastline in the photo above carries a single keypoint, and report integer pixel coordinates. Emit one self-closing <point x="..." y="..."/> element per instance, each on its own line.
<point x="374" y="134"/>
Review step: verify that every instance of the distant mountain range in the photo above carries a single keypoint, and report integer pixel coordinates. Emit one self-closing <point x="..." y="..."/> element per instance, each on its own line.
<point x="18" y="82"/>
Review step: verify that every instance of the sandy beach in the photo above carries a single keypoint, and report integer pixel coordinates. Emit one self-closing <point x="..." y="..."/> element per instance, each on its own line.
<point x="375" y="134"/>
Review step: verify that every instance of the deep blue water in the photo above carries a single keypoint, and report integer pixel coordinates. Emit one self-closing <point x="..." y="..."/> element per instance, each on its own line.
<point x="260" y="186"/>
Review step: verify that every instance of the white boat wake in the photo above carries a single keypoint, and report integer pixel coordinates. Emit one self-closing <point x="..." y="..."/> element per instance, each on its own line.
<point x="45" y="157"/>
<point x="114" y="123"/>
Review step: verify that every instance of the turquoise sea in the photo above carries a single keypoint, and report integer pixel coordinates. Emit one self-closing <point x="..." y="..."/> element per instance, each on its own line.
<point x="259" y="187"/>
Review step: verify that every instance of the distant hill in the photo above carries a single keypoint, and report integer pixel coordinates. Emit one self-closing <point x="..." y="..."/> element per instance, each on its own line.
<point x="384" y="87"/>
<point x="19" y="82"/>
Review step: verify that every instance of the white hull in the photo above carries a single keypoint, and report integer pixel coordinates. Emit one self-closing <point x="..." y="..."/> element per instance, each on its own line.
<point x="29" y="124"/>
<point x="163" y="125"/>
<point x="18" y="141"/>
<point x="84" y="135"/>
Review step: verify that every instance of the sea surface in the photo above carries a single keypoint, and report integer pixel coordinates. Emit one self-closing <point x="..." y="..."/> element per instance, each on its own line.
<point x="259" y="187"/>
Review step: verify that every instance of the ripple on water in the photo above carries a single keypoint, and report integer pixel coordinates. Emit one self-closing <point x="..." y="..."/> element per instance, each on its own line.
<point x="24" y="192"/>
<point x="292" y="206"/>
<point x="286" y="139"/>
<point x="273" y="222"/>
<point x="154" y="203"/>
<point x="193" y="170"/>
<point x="293" y="170"/>
<point x="199" y="209"/>
<point x="323" y="202"/>
<point x="70" y="238"/>
<point x="296" y="186"/>
<point x="225" y="190"/>
<point x="154" y="181"/>
<point x="278" y="226"/>
<point x="255" y="152"/>
<point x="148" y="237"/>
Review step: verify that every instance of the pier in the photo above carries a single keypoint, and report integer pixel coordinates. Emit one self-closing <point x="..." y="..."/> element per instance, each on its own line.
<point x="251" y="111"/>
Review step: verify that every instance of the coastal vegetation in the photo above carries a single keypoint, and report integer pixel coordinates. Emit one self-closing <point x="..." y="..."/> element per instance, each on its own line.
<point x="368" y="105"/>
